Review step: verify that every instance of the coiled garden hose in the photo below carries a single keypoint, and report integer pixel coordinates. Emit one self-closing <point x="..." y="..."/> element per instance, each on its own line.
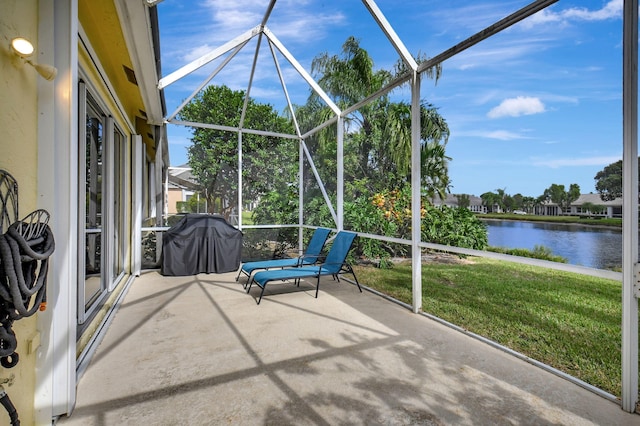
<point x="24" y="262"/>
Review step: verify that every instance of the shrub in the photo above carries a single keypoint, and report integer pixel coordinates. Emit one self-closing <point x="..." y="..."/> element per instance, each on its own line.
<point x="388" y="214"/>
<point x="538" y="252"/>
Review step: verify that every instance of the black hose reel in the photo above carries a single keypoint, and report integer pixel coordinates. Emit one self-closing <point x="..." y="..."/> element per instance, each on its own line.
<point x="24" y="261"/>
<point x="25" y="248"/>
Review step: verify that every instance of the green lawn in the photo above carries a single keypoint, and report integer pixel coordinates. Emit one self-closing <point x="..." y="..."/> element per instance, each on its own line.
<point x="247" y="218"/>
<point x="569" y="321"/>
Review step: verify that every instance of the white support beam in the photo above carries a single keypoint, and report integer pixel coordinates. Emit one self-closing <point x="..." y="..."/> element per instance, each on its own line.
<point x="300" y="193"/>
<point x="57" y="186"/>
<point x="386" y="89"/>
<point x="303" y="73"/>
<point x="416" y="195"/>
<point x="630" y="207"/>
<point x="232" y="129"/>
<point x="137" y="204"/>
<point x="267" y="14"/>
<point x="284" y="89"/>
<point x="300" y="150"/>
<point x="207" y="80"/>
<point x="205" y="59"/>
<point x="340" y="172"/>
<point x="327" y="200"/>
<point x="505" y="23"/>
<point x="320" y="127"/>
<point x="247" y="95"/>
<point x="386" y="27"/>
<point x="240" y="181"/>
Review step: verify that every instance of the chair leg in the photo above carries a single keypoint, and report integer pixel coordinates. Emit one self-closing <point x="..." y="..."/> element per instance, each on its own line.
<point x="240" y="272"/>
<point x="249" y="284"/>
<point x="244" y="285"/>
<point x="355" y="278"/>
<point x="261" y="293"/>
<point x="318" y="286"/>
<point x="249" y="280"/>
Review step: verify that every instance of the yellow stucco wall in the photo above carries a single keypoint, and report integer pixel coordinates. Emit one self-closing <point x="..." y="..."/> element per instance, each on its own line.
<point x="19" y="156"/>
<point x="19" y="139"/>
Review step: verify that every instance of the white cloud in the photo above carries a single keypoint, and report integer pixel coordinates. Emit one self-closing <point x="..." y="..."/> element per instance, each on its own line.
<point x="576" y="162"/>
<point x="515" y="107"/>
<point x="503" y="135"/>
<point x="214" y="22"/>
<point x="196" y="52"/>
<point x="291" y="21"/>
<point x="611" y="10"/>
<point x="294" y="23"/>
<point x="504" y="52"/>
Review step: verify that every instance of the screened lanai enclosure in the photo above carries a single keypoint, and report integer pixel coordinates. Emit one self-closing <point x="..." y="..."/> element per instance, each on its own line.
<point x="322" y="153"/>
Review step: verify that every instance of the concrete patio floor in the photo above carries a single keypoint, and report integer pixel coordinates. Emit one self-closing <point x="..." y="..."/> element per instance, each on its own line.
<point x="199" y="351"/>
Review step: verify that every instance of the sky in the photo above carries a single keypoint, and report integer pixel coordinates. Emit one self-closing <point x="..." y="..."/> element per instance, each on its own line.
<point x="538" y="104"/>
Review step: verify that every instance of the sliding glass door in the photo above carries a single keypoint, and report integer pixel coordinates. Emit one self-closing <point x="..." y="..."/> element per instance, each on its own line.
<point x="101" y="208"/>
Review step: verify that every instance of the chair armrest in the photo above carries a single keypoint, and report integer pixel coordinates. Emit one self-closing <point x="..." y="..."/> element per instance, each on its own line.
<point x="340" y="265"/>
<point x="317" y="257"/>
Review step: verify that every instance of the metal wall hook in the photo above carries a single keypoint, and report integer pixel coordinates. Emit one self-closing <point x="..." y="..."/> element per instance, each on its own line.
<point x="34" y="224"/>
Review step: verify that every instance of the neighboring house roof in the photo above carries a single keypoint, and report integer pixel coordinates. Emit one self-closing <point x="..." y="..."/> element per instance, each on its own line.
<point x="589" y="198"/>
<point x="596" y="200"/>
<point x="181" y="177"/>
<point x="451" y="200"/>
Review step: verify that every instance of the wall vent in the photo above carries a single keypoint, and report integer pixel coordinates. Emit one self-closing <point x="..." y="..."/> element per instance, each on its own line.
<point x="131" y="75"/>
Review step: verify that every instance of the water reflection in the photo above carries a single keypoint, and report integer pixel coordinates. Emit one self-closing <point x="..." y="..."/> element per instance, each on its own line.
<point x="581" y="245"/>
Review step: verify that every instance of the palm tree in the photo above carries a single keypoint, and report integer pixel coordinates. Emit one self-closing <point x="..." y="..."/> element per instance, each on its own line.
<point x="378" y="135"/>
<point x="501" y="198"/>
<point x="489" y="200"/>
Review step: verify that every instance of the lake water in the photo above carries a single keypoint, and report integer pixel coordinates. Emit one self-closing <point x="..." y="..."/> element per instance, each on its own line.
<point x="581" y="245"/>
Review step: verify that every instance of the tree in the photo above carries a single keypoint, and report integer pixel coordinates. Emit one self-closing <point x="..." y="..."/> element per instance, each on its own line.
<point x="590" y="209"/>
<point x="490" y="200"/>
<point x="500" y="198"/>
<point x="518" y="201"/>
<point x="213" y="155"/>
<point x="609" y="181"/>
<point x="558" y="195"/>
<point x="378" y="135"/>
<point x="528" y="204"/>
<point x="509" y="203"/>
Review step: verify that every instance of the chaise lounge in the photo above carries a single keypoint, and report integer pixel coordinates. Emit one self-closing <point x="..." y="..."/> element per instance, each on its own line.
<point x="310" y="256"/>
<point x="335" y="264"/>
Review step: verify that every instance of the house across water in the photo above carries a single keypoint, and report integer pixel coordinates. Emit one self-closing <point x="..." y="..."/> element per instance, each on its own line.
<point x="588" y="205"/>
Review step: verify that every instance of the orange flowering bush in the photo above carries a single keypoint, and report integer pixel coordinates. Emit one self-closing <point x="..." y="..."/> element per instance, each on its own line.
<point x="442" y="225"/>
<point x="388" y="213"/>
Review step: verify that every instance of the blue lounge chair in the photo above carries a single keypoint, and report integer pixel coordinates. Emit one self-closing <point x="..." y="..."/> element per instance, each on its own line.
<point x="334" y="265"/>
<point x="310" y="256"/>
